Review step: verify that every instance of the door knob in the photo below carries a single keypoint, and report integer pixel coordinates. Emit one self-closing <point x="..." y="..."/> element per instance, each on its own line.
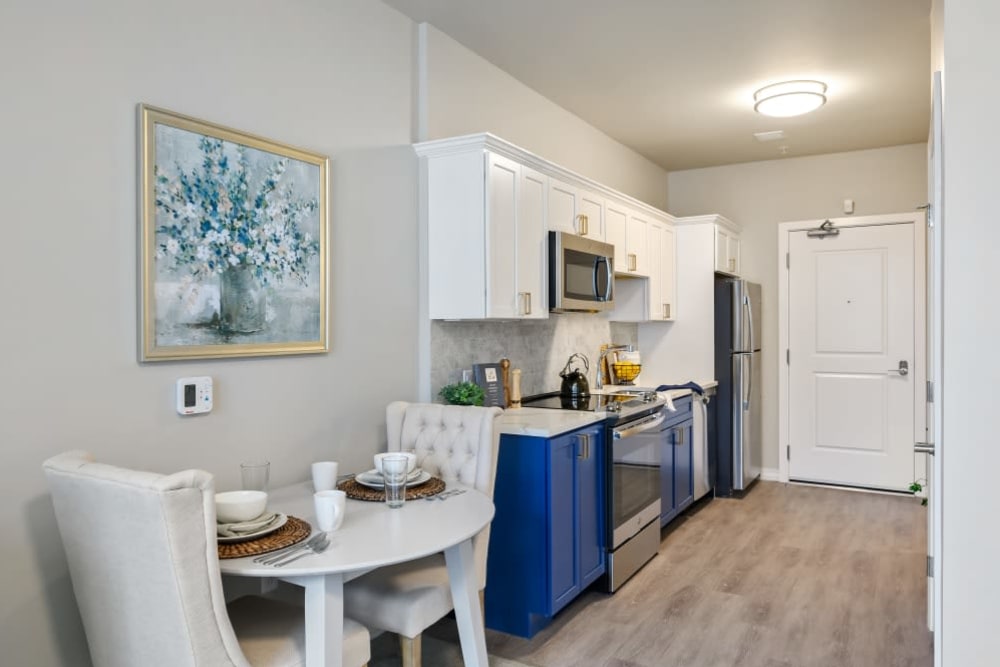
<point x="904" y="368"/>
<point x="923" y="448"/>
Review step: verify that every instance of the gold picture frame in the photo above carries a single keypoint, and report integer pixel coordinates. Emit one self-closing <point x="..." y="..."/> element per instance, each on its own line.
<point x="233" y="242"/>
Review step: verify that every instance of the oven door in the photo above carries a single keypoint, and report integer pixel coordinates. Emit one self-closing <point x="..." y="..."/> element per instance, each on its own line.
<point x="636" y="449"/>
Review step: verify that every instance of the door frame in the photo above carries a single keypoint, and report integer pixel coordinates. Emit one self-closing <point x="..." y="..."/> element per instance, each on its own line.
<point x="919" y="367"/>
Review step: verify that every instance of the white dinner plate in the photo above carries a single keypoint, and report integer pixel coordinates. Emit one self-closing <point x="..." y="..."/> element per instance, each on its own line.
<point x="374" y="480"/>
<point x="281" y="521"/>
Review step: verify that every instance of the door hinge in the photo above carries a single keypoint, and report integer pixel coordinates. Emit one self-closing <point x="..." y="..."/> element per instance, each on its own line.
<point x="930" y="391"/>
<point x="788" y="452"/>
<point x="788" y="261"/>
<point x="788" y="356"/>
<point x="930" y="566"/>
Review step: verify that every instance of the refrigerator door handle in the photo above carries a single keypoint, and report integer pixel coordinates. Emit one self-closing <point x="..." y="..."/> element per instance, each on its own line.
<point x="746" y="403"/>
<point x="749" y="307"/>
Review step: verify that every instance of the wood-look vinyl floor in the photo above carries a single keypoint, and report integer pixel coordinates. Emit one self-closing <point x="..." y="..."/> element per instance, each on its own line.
<point x="788" y="576"/>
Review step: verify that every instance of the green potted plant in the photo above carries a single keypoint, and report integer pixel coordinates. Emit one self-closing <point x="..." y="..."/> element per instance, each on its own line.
<point x="462" y="393"/>
<point x="917" y="486"/>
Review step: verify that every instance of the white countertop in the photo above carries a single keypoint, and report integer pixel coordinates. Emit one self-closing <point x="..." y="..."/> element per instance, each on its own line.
<point x="547" y="423"/>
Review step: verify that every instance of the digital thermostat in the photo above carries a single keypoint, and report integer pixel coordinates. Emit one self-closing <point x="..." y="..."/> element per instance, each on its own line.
<point x="194" y="395"/>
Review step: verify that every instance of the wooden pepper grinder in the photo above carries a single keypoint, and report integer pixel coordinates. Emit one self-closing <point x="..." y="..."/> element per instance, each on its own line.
<point x="505" y="375"/>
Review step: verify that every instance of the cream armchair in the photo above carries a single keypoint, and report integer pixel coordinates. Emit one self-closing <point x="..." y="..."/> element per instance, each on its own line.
<point x="459" y="444"/>
<point x="145" y="569"/>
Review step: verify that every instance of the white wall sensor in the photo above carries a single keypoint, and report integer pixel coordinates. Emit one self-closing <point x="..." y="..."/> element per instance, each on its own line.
<point x="194" y="395"/>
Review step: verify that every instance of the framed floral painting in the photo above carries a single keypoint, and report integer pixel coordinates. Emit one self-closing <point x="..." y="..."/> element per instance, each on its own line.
<point x="233" y="242"/>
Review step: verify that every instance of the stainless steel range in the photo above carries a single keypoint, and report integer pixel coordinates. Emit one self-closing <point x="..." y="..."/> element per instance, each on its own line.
<point x="635" y="442"/>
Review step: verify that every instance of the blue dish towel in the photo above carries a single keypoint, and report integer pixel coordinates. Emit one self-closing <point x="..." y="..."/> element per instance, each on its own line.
<point x="693" y="386"/>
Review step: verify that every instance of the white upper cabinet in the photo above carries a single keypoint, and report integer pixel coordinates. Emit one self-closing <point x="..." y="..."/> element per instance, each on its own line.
<point x="664" y="307"/>
<point x="638" y="250"/>
<point x="615" y="222"/>
<point x="727" y="249"/>
<point x="486" y="237"/>
<point x="562" y="207"/>
<point x="575" y="210"/>
<point x="487" y="206"/>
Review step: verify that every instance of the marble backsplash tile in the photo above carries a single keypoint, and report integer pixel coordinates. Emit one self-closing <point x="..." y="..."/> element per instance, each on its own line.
<point x="539" y="348"/>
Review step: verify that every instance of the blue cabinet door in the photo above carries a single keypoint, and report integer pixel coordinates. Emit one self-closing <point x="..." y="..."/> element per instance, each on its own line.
<point x="563" y="524"/>
<point x="682" y="435"/>
<point x="668" y="510"/>
<point x="590" y="504"/>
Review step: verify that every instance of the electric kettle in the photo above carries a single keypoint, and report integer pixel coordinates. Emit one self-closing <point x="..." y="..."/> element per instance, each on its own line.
<point x="574" y="381"/>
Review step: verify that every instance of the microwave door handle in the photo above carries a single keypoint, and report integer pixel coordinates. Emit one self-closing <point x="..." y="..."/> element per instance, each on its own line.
<point x="597" y="283"/>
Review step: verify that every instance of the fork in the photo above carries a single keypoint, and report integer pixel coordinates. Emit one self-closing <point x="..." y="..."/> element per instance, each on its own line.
<point x="317" y="548"/>
<point x="268" y="558"/>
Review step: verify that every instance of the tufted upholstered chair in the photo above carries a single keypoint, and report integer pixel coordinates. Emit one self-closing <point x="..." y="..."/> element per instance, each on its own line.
<point x="459" y="444"/>
<point x="142" y="557"/>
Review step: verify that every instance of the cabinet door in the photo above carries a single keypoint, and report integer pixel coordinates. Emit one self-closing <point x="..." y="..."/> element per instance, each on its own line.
<point x="590" y="215"/>
<point x="721" y="250"/>
<point x="564" y="573"/>
<point x="562" y="207"/>
<point x="615" y="224"/>
<point x="501" y="237"/>
<point x="668" y="510"/>
<point x="667" y="306"/>
<point x="637" y="241"/>
<point x="682" y="437"/>
<point x="654" y="287"/>
<point x="734" y="254"/>
<point x="590" y="505"/>
<point x="531" y="245"/>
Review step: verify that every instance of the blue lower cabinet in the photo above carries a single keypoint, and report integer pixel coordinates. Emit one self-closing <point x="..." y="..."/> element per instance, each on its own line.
<point x="677" y="470"/>
<point x="547" y="537"/>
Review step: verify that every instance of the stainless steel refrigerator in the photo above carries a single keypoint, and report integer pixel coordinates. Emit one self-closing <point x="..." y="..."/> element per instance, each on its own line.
<point x="738" y="369"/>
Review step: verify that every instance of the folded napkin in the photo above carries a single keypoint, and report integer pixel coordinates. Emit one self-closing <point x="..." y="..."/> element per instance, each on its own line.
<point x="246" y="527"/>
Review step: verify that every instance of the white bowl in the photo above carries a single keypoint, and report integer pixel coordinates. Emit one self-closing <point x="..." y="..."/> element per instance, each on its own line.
<point x="237" y="506"/>
<point x="411" y="460"/>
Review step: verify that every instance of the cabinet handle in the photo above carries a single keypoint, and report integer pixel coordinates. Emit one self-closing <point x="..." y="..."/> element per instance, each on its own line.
<point x="584" y="224"/>
<point x="679" y="439"/>
<point x="732" y="263"/>
<point x="633" y="261"/>
<point x="524" y="303"/>
<point x="666" y="311"/>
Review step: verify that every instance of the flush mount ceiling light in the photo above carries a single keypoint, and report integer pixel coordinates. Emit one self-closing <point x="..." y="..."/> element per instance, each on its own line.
<point x="790" y="98"/>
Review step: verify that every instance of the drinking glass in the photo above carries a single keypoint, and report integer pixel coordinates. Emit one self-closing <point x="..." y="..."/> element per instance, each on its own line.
<point x="256" y="475"/>
<point x="394" y="470"/>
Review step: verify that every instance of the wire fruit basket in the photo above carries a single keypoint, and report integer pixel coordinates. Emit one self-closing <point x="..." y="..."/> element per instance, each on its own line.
<point x="626" y="371"/>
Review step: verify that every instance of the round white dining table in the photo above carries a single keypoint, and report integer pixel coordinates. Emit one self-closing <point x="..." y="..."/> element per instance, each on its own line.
<point x="372" y="536"/>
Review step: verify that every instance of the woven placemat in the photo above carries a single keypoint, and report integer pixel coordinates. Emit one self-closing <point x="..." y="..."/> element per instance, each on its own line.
<point x="294" y="531"/>
<point x="359" y="491"/>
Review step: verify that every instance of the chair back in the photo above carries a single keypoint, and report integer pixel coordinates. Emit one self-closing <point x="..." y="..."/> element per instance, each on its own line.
<point x="142" y="557"/>
<point x="457" y="443"/>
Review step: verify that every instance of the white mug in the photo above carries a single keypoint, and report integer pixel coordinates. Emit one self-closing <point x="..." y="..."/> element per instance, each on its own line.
<point x="330" y="509"/>
<point x="324" y="475"/>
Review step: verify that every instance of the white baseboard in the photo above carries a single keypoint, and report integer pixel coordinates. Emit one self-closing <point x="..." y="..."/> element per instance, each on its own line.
<point x="769" y="475"/>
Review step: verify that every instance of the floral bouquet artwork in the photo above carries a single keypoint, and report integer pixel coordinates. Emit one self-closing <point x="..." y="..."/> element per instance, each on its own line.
<point x="234" y="235"/>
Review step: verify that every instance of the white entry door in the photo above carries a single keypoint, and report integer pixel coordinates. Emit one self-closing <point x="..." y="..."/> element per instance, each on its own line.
<point x="851" y="356"/>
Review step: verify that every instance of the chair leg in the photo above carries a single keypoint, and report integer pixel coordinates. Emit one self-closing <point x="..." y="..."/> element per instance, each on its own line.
<point x="410" y="648"/>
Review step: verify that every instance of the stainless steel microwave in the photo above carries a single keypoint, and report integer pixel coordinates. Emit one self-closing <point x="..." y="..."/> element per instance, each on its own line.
<point x="581" y="274"/>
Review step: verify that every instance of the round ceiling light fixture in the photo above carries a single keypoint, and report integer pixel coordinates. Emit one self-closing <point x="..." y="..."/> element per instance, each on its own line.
<point x="790" y="98"/>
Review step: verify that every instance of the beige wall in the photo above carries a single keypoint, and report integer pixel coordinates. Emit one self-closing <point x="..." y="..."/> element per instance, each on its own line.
<point x="969" y="451"/>
<point x="467" y="94"/>
<point x="333" y="77"/>
<point x="759" y="195"/>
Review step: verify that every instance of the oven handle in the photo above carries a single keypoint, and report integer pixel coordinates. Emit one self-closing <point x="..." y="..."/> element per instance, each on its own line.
<point x="641" y="428"/>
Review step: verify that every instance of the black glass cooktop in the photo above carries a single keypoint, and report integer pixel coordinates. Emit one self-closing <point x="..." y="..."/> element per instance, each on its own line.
<point x="592" y="403"/>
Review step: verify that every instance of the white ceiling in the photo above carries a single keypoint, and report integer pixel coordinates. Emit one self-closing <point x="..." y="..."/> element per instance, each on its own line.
<point x="674" y="79"/>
